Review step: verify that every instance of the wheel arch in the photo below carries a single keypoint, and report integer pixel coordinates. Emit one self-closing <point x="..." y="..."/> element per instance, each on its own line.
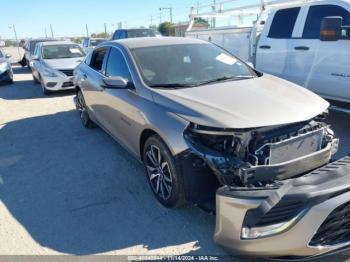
<point x="146" y="133"/>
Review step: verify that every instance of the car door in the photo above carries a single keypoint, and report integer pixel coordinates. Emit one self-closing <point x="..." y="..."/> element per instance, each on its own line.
<point x="91" y="82"/>
<point x="273" y="47"/>
<point x="321" y="66"/>
<point x="121" y="105"/>
<point x="35" y="64"/>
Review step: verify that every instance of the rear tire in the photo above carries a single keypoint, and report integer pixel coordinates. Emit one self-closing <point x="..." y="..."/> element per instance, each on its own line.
<point x="83" y="112"/>
<point x="163" y="174"/>
<point x="10" y="81"/>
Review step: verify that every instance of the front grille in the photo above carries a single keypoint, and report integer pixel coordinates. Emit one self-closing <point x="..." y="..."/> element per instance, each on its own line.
<point x="67" y="72"/>
<point x="335" y="229"/>
<point x="67" y="84"/>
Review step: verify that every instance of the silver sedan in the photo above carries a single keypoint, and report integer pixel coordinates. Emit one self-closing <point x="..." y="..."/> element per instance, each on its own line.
<point x="206" y="125"/>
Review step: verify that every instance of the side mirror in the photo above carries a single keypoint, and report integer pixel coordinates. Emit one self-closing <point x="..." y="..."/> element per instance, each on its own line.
<point x="331" y="28"/>
<point x="115" y="82"/>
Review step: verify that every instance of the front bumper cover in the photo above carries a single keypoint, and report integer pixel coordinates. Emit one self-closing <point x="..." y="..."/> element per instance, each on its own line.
<point x="315" y="195"/>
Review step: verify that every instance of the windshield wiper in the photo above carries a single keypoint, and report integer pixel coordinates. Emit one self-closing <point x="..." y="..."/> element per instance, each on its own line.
<point x="172" y="85"/>
<point x="224" y="78"/>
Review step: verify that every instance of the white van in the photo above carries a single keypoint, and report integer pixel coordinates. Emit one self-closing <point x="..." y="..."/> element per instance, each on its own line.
<point x="289" y="45"/>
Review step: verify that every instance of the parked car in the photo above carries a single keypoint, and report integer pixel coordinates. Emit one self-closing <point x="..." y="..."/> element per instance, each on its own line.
<point x="90" y="43"/>
<point x="29" y="48"/>
<point x="296" y="42"/>
<point x="133" y="33"/>
<point x="203" y="123"/>
<point x="6" y="73"/>
<point x="53" y="64"/>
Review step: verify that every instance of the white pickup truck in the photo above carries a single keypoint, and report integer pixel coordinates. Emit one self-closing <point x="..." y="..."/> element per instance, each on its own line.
<point x="306" y="42"/>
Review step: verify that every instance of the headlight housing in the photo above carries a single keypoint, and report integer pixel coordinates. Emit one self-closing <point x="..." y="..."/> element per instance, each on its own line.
<point x="49" y="73"/>
<point x="4" y="66"/>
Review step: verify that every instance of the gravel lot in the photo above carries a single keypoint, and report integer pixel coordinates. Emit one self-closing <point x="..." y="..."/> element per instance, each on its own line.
<point x="66" y="189"/>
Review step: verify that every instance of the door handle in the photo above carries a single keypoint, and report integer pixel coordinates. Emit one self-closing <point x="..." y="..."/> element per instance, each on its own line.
<point x="265" y="47"/>
<point x="302" y="48"/>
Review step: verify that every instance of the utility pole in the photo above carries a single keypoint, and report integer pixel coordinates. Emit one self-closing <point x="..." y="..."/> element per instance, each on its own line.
<point x="87" y="30"/>
<point x="151" y="21"/>
<point x="170" y="9"/>
<point x="45" y="33"/>
<point x="51" y="31"/>
<point x="160" y="15"/>
<point x="214" y="18"/>
<point x="105" y="30"/>
<point x="15" y="32"/>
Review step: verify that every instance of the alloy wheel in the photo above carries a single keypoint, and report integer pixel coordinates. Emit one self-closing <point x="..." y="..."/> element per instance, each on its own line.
<point x="159" y="173"/>
<point x="81" y="108"/>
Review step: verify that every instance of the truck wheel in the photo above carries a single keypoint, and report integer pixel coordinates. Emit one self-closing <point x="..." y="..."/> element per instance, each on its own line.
<point x="163" y="175"/>
<point x="84" y="114"/>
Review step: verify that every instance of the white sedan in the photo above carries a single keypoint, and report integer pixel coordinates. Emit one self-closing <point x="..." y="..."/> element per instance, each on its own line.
<point x="53" y="65"/>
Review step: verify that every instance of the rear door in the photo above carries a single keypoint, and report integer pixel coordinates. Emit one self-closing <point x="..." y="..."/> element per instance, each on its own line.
<point x="273" y="47"/>
<point x="323" y="67"/>
<point x="92" y="84"/>
<point x="35" y="64"/>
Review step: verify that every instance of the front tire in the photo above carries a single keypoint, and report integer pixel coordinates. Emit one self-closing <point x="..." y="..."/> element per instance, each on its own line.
<point x="83" y="112"/>
<point x="45" y="91"/>
<point x="163" y="174"/>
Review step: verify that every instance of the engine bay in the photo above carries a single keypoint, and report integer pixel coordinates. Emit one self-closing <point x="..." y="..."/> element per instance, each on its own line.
<point x="261" y="156"/>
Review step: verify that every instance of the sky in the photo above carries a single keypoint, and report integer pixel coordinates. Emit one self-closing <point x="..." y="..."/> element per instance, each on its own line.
<point x="68" y="17"/>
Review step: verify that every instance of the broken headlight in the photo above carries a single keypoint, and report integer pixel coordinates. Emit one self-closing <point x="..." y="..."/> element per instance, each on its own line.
<point x="218" y="141"/>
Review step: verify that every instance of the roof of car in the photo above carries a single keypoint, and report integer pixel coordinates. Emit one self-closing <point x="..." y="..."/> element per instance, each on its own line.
<point x="58" y="43"/>
<point x="157" y="41"/>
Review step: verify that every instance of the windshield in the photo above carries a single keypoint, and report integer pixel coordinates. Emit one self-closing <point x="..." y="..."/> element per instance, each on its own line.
<point x="62" y="51"/>
<point x="188" y="65"/>
<point x="34" y="42"/>
<point x="96" y="42"/>
<point x="141" y="33"/>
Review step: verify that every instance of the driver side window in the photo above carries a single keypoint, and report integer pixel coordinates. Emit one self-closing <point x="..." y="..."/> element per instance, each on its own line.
<point x="37" y="51"/>
<point x="317" y="13"/>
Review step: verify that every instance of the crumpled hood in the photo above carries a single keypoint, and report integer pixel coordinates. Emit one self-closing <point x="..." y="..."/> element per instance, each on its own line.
<point x="258" y="102"/>
<point x="65" y="63"/>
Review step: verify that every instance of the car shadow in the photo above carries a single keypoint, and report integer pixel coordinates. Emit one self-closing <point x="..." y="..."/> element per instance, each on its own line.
<point x="19" y="70"/>
<point x="78" y="192"/>
<point x="27" y="89"/>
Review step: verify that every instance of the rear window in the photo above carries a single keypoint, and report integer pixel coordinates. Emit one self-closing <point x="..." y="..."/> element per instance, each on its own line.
<point x="283" y="23"/>
<point x="141" y="33"/>
<point x="317" y="13"/>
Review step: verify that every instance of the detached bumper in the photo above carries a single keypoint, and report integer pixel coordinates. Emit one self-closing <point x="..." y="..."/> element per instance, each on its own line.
<point x="310" y="215"/>
<point x="59" y="83"/>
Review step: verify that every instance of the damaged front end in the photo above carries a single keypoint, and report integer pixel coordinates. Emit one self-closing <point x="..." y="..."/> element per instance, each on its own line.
<point x="278" y="194"/>
<point x="256" y="157"/>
